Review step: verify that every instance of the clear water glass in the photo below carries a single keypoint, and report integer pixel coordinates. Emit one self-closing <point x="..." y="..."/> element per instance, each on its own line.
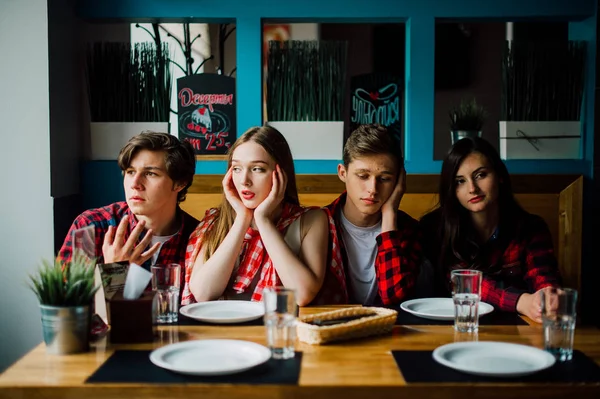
<point x="466" y="294"/>
<point x="280" y="321"/>
<point x="559" y="315"/>
<point x="166" y="282"/>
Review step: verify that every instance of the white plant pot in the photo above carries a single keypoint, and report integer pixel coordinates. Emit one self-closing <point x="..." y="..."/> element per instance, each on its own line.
<point x="540" y="140"/>
<point x="107" y="138"/>
<point x="313" y="140"/>
<point x="457" y="135"/>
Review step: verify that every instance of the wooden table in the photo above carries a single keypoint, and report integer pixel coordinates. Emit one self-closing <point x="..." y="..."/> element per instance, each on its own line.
<point x="354" y="369"/>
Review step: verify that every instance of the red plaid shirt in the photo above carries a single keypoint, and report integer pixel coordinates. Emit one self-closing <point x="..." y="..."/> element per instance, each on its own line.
<point x="253" y="256"/>
<point x="524" y="264"/>
<point x="398" y="255"/>
<point x="172" y="251"/>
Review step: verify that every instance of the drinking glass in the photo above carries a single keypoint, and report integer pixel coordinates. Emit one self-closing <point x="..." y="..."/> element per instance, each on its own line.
<point x="280" y="321"/>
<point x="466" y="292"/>
<point x="166" y="281"/>
<point x="559" y="313"/>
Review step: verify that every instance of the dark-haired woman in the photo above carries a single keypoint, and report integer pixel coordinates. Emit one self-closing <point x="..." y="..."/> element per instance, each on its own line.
<point x="479" y="225"/>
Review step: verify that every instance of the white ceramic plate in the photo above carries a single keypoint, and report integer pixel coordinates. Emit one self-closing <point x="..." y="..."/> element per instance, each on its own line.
<point x="438" y="308"/>
<point x="499" y="359"/>
<point x="210" y="356"/>
<point x="224" y="312"/>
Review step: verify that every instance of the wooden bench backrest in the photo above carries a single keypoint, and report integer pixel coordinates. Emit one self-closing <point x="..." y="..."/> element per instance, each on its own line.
<point x="558" y="201"/>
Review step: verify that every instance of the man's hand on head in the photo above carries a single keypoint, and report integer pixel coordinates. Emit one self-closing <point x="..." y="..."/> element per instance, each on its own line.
<point x="391" y="205"/>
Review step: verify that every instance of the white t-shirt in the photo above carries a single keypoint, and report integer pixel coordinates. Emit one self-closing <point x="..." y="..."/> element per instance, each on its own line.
<point x="361" y="249"/>
<point x="161" y="240"/>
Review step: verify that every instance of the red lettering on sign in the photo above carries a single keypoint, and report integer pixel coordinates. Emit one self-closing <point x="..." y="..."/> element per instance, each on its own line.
<point x="220" y="138"/>
<point x="211" y="141"/>
<point x="188" y="97"/>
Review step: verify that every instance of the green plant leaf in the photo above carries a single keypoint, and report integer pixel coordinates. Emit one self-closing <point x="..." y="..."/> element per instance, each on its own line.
<point x="467" y="116"/>
<point x="129" y="82"/>
<point x="306" y="80"/>
<point x="543" y="80"/>
<point x="70" y="284"/>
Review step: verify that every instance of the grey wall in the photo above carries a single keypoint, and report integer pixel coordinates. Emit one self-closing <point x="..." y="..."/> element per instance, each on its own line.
<point x="67" y="106"/>
<point x="69" y="112"/>
<point x="66" y="100"/>
<point x="45" y="136"/>
<point x="26" y="228"/>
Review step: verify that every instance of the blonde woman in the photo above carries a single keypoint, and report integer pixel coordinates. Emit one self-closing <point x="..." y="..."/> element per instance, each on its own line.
<point x="259" y="236"/>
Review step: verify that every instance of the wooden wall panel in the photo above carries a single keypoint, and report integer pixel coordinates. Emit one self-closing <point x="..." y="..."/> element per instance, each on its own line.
<point x="416" y="205"/>
<point x="206" y="184"/>
<point x="570" y="234"/>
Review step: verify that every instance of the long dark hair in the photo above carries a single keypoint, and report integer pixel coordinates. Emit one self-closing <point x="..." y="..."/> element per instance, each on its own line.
<point x="458" y="243"/>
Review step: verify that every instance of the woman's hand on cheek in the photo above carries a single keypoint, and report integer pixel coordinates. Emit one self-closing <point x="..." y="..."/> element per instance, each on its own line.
<point x="267" y="208"/>
<point x="233" y="197"/>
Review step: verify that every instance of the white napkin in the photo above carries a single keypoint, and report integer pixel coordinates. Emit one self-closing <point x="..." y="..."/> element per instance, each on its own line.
<point x="136" y="282"/>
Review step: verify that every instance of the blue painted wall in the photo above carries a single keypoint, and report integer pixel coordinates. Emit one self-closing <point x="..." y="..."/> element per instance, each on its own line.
<point x="338" y="10"/>
<point x="419" y="16"/>
<point x="102" y="181"/>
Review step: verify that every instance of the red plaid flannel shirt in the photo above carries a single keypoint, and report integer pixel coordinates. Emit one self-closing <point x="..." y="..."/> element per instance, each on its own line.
<point x="253" y="255"/>
<point x="526" y="265"/>
<point x="172" y="251"/>
<point x="398" y="255"/>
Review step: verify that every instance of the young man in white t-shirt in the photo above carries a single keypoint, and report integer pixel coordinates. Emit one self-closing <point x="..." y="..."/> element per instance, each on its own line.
<point x="380" y="244"/>
<point x="149" y="226"/>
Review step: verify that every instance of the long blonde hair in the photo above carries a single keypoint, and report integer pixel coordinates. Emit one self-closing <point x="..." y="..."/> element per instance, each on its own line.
<point x="277" y="147"/>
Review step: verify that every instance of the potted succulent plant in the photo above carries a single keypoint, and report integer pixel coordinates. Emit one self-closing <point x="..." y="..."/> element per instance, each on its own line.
<point x="65" y="293"/>
<point x="466" y="120"/>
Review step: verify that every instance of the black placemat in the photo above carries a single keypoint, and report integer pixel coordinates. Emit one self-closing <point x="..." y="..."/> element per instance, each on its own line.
<point x="496" y="318"/>
<point x="188" y="321"/>
<point x="419" y="366"/>
<point x="134" y="366"/>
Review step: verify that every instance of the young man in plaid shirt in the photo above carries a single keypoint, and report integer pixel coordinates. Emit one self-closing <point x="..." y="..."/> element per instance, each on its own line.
<point x="149" y="226"/>
<point x="379" y="244"/>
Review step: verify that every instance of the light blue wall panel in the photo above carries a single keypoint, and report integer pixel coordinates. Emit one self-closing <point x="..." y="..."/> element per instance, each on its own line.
<point x="211" y="10"/>
<point x="419" y="101"/>
<point x="586" y="30"/>
<point x="248" y="32"/>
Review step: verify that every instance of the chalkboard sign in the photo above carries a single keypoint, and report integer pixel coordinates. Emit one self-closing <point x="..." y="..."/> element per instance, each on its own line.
<point x="376" y="98"/>
<point x="206" y="112"/>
